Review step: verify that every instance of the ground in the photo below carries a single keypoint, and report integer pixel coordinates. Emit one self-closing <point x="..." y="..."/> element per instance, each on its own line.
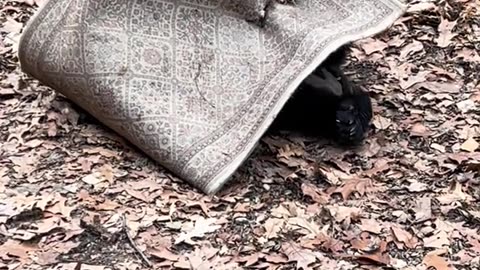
<point x="73" y="195"/>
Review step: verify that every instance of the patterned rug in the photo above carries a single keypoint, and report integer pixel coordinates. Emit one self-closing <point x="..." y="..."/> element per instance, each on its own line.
<point x="193" y="83"/>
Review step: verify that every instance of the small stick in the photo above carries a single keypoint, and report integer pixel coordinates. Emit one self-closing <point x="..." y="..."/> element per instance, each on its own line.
<point x="198" y="88"/>
<point x="144" y="258"/>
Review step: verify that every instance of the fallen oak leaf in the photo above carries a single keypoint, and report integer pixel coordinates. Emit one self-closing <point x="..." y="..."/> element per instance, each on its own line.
<point x="275" y="258"/>
<point x="421" y="6"/>
<point x="359" y="185"/>
<point x="380" y="256"/>
<point x="310" y="229"/>
<point x="423" y="209"/>
<point x="466" y="106"/>
<point x="200" y="229"/>
<point x="441" y="87"/>
<point x="365" y="242"/>
<point x="438" y="147"/>
<point x="12" y="26"/>
<point x="201" y="256"/>
<point x="93" y="179"/>
<point x="250" y="259"/>
<point x="419" y="130"/>
<point x="435" y="261"/>
<point x="272" y="227"/>
<point x="77" y="266"/>
<point x="416" y="186"/>
<point x="163" y="253"/>
<point x="102" y="151"/>
<point x="470" y="145"/>
<point x="404" y="237"/>
<point x="445" y="32"/>
<point x="372" y="45"/>
<point x="454" y="193"/>
<point x="60" y="207"/>
<point x="438" y="240"/>
<point x="16" y="248"/>
<point x="381" y="123"/>
<point x="303" y="257"/>
<point x="371" y="225"/>
<point x="290" y="150"/>
<point x="415" y="46"/>
<point x="413" y="80"/>
<point x="312" y="191"/>
<point x="136" y="194"/>
<point x="341" y="213"/>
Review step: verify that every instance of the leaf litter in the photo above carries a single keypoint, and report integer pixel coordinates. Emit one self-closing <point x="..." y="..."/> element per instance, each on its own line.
<point x="406" y="199"/>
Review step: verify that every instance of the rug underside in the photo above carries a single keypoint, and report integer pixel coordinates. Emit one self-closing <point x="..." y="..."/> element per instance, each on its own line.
<point x="193" y="83"/>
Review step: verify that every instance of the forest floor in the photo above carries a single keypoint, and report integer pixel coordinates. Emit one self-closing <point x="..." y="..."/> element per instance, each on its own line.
<point x="73" y="195"/>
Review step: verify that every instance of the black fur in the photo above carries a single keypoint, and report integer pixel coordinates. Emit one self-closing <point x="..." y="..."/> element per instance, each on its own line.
<point x="327" y="103"/>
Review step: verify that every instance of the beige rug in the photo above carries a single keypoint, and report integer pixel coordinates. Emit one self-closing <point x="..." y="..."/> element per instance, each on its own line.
<point x="193" y="83"/>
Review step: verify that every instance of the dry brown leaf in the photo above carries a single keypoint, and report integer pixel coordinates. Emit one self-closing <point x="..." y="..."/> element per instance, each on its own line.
<point x="445" y="33"/>
<point x="470" y="145"/>
<point x="201" y="227"/>
<point x="301" y="256"/>
<point x="16" y="248"/>
<point x="275" y="258"/>
<point x="371" y="225"/>
<point x="333" y="175"/>
<point x="453" y="194"/>
<point x="290" y="150"/>
<point x="341" y="213"/>
<point x="404" y="237"/>
<point x="420" y="130"/>
<point x="466" y="106"/>
<point x="12" y="26"/>
<point x="102" y="151"/>
<point x="468" y="54"/>
<point x="423" y="209"/>
<point x="421" y="6"/>
<point x="272" y="227"/>
<point x="361" y="186"/>
<point x="438" y="240"/>
<point x="371" y="45"/>
<point x="381" y="123"/>
<point x="142" y="196"/>
<point x="416" y="186"/>
<point x="378" y="257"/>
<point x="251" y="259"/>
<point x="437" y="262"/>
<point x="439" y="87"/>
<point x="314" y="193"/>
<point x="474" y="241"/>
<point x="242" y="208"/>
<point x="412" y="80"/>
<point x="60" y="207"/>
<point x="411" y="48"/>
<point x="93" y="179"/>
<point x="281" y="212"/>
<point x="365" y="242"/>
<point x="107" y="172"/>
<point x="163" y="253"/>
<point x="309" y="228"/>
<point x="438" y="147"/>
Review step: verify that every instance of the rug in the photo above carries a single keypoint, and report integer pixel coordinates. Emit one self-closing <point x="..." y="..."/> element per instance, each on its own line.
<point x="192" y="83"/>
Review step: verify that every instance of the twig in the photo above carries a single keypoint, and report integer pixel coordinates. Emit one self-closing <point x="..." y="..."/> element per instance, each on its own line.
<point x="144" y="258"/>
<point x="198" y="88"/>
